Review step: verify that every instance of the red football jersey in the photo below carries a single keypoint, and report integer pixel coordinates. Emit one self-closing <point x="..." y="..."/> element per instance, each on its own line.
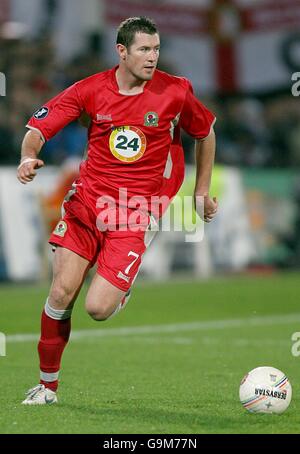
<point x="130" y="136"/>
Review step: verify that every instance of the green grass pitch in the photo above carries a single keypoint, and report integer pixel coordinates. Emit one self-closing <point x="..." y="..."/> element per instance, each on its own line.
<point x="171" y="362"/>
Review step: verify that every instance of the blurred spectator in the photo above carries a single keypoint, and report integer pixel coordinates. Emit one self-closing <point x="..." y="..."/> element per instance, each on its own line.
<point x="283" y="117"/>
<point x="7" y="150"/>
<point x="33" y="77"/>
<point x="243" y="137"/>
<point x="51" y="203"/>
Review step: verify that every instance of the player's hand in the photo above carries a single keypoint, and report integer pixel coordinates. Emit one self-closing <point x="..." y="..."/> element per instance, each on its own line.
<point x="27" y="170"/>
<point x="206" y="207"/>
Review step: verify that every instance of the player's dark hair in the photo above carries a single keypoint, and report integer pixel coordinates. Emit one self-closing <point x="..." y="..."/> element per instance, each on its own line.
<point x="129" y="27"/>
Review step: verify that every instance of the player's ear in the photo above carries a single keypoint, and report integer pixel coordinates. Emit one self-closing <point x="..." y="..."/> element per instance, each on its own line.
<point x="122" y="51"/>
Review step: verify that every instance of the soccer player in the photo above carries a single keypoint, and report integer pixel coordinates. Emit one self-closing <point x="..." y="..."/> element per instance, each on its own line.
<point x="136" y="114"/>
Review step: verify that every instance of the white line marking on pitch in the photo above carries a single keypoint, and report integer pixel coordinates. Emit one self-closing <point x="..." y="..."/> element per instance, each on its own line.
<point x="171" y="328"/>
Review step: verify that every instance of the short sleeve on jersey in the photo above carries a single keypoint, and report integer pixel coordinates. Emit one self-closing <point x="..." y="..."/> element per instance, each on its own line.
<point x="57" y="113"/>
<point x="195" y="118"/>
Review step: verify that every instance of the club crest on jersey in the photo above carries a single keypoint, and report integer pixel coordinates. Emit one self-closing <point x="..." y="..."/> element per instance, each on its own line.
<point x="41" y="113"/>
<point x="60" y="229"/>
<point x="151" y="119"/>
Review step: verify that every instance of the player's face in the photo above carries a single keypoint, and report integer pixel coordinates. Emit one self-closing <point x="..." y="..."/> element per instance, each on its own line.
<point x="142" y="56"/>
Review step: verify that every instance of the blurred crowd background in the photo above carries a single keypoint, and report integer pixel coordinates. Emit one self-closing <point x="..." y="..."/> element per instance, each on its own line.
<point x="258" y="124"/>
<point x="254" y="130"/>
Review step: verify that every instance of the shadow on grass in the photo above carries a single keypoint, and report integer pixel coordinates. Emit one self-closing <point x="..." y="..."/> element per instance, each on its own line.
<point x="160" y="420"/>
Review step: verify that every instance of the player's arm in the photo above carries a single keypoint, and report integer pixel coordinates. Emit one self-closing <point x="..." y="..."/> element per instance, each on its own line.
<point x="31" y="146"/>
<point x="205" y="154"/>
<point x="44" y="124"/>
<point x="198" y="122"/>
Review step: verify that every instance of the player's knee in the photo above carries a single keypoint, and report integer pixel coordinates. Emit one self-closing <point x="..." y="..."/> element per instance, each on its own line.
<point x="60" y="296"/>
<point x="99" y="310"/>
<point x="99" y="314"/>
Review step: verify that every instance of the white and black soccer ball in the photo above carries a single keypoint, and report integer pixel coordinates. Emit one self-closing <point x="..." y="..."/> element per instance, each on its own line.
<point x="265" y="390"/>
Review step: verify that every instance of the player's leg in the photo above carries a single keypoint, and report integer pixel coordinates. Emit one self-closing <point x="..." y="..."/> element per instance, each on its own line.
<point x="69" y="271"/>
<point x="76" y="252"/>
<point x="103" y="298"/>
<point x="118" y="265"/>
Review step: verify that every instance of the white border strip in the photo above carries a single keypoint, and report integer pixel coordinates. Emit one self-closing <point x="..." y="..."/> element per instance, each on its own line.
<point x="171" y="328"/>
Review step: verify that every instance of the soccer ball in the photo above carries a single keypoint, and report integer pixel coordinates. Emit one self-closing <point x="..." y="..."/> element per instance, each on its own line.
<point x="265" y="390"/>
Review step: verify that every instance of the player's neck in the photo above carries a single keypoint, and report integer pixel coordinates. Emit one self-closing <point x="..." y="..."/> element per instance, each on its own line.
<point x="128" y="84"/>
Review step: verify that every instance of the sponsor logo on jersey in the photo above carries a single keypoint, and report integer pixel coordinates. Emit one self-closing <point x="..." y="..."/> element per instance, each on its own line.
<point x="41" y="113"/>
<point x="151" y="119"/>
<point x="101" y="117"/>
<point x="60" y="229"/>
<point x="127" y="143"/>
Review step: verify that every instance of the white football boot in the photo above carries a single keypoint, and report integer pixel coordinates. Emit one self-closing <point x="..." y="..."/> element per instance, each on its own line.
<point x="39" y="395"/>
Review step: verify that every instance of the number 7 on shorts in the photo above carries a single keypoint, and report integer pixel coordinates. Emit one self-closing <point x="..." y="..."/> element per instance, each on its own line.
<point x="136" y="256"/>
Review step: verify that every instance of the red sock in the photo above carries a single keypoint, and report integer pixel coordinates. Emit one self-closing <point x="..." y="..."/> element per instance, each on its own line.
<point x="54" y="337"/>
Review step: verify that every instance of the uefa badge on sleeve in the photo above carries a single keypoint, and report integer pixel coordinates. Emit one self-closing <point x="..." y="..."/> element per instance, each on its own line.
<point x="41" y="113"/>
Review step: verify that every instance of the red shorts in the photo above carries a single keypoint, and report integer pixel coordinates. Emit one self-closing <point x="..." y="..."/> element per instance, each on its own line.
<point x="118" y="253"/>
